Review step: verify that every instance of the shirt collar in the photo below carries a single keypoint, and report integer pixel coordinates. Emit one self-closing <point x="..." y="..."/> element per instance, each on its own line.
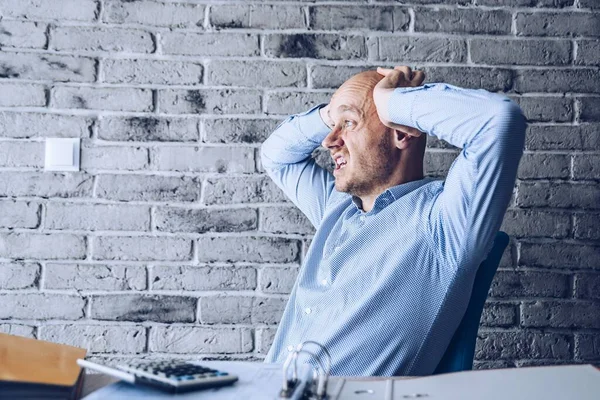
<point x="392" y="194"/>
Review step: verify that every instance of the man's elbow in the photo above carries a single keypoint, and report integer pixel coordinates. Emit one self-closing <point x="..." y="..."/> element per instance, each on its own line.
<point x="510" y="124"/>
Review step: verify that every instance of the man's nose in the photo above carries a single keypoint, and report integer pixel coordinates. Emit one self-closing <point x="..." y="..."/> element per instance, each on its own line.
<point x="333" y="139"/>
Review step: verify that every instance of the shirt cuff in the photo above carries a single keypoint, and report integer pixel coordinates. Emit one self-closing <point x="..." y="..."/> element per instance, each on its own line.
<point x="401" y="104"/>
<point x="312" y="125"/>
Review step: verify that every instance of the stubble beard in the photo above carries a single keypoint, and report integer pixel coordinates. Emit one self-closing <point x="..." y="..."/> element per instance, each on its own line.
<point x="369" y="172"/>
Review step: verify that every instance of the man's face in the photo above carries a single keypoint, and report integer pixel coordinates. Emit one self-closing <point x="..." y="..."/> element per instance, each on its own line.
<point x="361" y="146"/>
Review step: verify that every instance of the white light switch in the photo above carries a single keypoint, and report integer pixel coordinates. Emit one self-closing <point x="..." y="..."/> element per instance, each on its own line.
<point x="62" y="154"/>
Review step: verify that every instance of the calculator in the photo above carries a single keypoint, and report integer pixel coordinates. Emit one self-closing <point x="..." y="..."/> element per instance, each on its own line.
<point x="177" y="376"/>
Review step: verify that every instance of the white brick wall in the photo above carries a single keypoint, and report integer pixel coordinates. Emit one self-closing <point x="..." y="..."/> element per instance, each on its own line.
<point x="172" y="241"/>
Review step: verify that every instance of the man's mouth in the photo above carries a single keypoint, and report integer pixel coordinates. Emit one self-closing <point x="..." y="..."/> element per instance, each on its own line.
<point x="340" y="162"/>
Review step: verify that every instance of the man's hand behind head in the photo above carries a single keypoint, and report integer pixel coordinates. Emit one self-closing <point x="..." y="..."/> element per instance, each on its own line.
<point x="400" y="76"/>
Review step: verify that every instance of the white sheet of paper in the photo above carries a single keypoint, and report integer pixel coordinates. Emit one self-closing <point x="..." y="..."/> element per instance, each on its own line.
<point x="257" y="381"/>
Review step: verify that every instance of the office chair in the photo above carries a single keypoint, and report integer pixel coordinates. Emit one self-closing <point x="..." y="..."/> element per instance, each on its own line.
<point x="461" y="350"/>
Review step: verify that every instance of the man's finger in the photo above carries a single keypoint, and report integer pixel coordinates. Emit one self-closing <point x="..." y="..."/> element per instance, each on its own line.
<point x="405" y="70"/>
<point x="418" y="78"/>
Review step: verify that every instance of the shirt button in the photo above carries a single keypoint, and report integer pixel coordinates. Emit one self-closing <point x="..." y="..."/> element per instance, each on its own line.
<point x="324" y="281"/>
<point x="362" y="218"/>
<point x="290" y="348"/>
<point x="307" y="310"/>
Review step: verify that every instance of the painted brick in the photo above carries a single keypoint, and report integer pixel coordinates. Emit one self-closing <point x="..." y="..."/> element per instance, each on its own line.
<point x="94" y="277"/>
<point x="535" y="223"/>
<point x="97" y="217"/>
<point x="437" y="164"/>
<point x="586" y="226"/>
<point x="241" y="309"/>
<point x="499" y="314"/>
<point x="587" y="286"/>
<point x="116" y="99"/>
<point x="583" y="80"/>
<point x="237" y="130"/>
<point x="332" y="76"/>
<point x="573" y="24"/>
<point x="211" y="44"/>
<point x="588" y="52"/>
<point x="462" y="21"/>
<point x="149" y="129"/>
<point x="142" y="308"/>
<point x="41" y="306"/>
<point x="589" y="109"/>
<point x="265" y="337"/>
<point x="277" y="279"/>
<point x="40" y="66"/>
<point x="13" y="95"/>
<point x="546" y="109"/>
<point x="581" y="137"/>
<point x="113" y="158"/>
<point x="176" y="15"/>
<point x="524" y="344"/>
<point x="203" y="220"/>
<point x="114" y="40"/>
<point x="19" y="275"/>
<point x="204" y="159"/>
<point x="284" y="220"/>
<point x="29" y="125"/>
<point x="559" y="255"/>
<point x="45" y="184"/>
<point x="142" y="248"/>
<point x="165" y="277"/>
<point x="587" y="347"/>
<point x="544" y="166"/>
<point x="257" y="16"/>
<point x="523" y="52"/>
<point x="492" y="79"/>
<point x="22" y="34"/>
<point x="527" y="284"/>
<point x="586" y="166"/>
<point x="242" y="190"/>
<point x="152" y="72"/>
<point x="19" y="214"/>
<point x="147" y="188"/>
<point x="542" y="314"/>
<point x="259" y="73"/>
<point x="422" y="49"/>
<point x="96" y="338"/>
<point x="42" y="246"/>
<point x="18" y="330"/>
<point x="247" y="249"/>
<point x="21" y="154"/>
<point x="319" y="45"/>
<point x="355" y="17"/>
<point x="294" y="102"/>
<point x="75" y="10"/>
<point x="527" y="3"/>
<point x="564" y="195"/>
<point x="482" y="365"/>
<point x="209" y="101"/>
<point x="200" y="340"/>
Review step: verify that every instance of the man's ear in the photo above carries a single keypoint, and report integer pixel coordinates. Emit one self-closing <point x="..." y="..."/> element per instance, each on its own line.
<point x="403" y="140"/>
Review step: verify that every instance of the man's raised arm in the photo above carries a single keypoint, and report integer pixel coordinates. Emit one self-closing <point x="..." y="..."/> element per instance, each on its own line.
<point x="286" y="156"/>
<point x="490" y="129"/>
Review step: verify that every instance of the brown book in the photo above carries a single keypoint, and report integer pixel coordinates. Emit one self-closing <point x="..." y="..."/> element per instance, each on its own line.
<point x="36" y="369"/>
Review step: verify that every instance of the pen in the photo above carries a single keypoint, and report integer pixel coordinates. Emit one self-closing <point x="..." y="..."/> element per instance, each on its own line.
<point x="107" y="370"/>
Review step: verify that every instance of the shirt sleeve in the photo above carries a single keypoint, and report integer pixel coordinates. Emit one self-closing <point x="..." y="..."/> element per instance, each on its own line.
<point x="286" y="157"/>
<point x="490" y="130"/>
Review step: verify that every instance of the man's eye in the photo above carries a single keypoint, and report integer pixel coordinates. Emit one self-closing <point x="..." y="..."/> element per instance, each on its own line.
<point x="349" y="124"/>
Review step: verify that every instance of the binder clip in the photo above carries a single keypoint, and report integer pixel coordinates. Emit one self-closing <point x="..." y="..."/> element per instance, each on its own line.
<point x="316" y="389"/>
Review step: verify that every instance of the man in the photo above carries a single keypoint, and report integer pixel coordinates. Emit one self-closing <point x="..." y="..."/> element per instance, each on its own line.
<point x="390" y="269"/>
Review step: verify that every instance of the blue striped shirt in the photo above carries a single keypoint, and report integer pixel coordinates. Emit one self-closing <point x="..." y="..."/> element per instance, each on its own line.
<point x="385" y="290"/>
